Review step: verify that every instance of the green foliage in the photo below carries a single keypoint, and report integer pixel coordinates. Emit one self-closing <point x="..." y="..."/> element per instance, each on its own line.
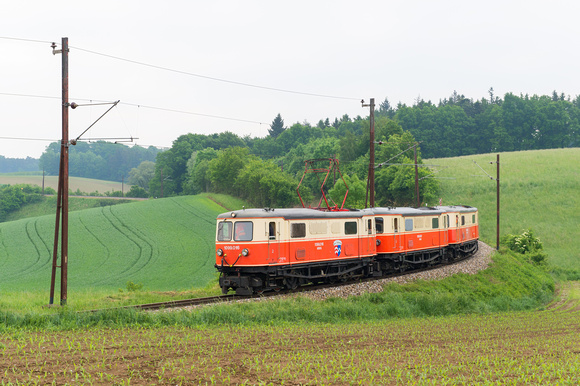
<point x="459" y="126"/>
<point x="13" y="197"/>
<point x="356" y="192"/>
<point x="224" y="170"/>
<point x="98" y="160"/>
<point x="142" y="174"/>
<point x="132" y="287"/>
<point x="395" y="184"/>
<point x="18" y="165"/>
<point x="277" y="126"/>
<point x="264" y="185"/>
<point x="524" y="243"/>
<point x="137" y="192"/>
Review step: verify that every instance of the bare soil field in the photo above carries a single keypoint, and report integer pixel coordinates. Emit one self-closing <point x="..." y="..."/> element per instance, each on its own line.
<point x="539" y="347"/>
<point x="85" y="185"/>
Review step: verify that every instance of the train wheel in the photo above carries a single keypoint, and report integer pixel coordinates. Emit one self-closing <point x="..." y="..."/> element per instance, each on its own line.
<point x="291" y="283"/>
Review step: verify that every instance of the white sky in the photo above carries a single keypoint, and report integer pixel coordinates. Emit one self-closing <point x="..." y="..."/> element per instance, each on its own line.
<point x="396" y="49"/>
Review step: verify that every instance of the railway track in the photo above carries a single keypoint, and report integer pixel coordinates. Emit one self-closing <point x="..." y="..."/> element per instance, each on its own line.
<point x="233" y="297"/>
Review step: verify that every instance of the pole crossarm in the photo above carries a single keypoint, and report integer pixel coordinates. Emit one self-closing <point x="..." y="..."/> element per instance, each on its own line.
<point x="98" y="119"/>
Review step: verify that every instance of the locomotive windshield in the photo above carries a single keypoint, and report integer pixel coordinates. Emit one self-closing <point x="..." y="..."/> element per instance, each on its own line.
<point x="224" y="231"/>
<point x="243" y="231"/>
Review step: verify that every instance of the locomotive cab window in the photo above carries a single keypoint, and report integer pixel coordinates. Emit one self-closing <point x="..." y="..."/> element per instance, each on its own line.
<point x="243" y="231"/>
<point x="224" y="231"/>
<point x="370" y="226"/>
<point x="462" y="220"/>
<point x="379" y="224"/>
<point x="298" y="230"/>
<point x="350" y="228"/>
<point x="473" y="219"/>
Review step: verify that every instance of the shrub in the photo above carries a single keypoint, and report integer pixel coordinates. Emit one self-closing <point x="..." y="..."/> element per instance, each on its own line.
<point x="524" y="243"/>
<point x="132" y="287"/>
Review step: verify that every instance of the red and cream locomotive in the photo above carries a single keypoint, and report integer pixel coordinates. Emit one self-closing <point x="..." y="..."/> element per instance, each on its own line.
<point x="263" y="249"/>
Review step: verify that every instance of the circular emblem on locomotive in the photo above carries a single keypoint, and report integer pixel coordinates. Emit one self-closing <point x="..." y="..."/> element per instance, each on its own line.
<point x="337" y="247"/>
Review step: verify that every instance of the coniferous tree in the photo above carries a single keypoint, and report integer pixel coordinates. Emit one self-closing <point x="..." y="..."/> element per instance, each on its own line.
<point x="277" y="126"/>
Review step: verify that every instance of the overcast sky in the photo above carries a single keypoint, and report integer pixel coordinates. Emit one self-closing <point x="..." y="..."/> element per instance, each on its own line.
<point x="345" y="50"/>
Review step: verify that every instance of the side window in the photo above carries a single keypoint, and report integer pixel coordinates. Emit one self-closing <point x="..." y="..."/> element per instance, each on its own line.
<point x="396" y="224"/>
<point x="473" y="220"/>
<point x="408" y="224"/>
<point x="379" y="224"/>
<point x="369" y="226"/>
<point x="435" y="223"/>
<point x="462" y="220"/>
<point x="350" y="228"/>
<point x="224" y="231"/>
<point x="272" y="230"/>
<point x="298" y="230"/>
<point x="243" y="231"/>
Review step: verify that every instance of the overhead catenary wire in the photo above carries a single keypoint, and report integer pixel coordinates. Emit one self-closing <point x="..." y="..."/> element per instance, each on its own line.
<point x="140" y="106"/>
<point x="213" y="78"/>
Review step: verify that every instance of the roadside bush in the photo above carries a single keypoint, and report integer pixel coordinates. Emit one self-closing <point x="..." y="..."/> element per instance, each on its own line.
<point x="137" y="192"/>
<point x="524" y="243"/>
<point x="13" y="197"/>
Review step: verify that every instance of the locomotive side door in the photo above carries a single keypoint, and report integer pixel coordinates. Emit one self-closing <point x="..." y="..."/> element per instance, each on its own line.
<point x="445" y="226"/>
<point x="397" y="233"/>
<point x="273" y="233"/>
<point x="370" y="242"/>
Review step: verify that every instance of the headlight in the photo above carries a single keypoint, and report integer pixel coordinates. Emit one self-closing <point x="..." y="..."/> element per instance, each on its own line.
<point x="245" y="252"/>
<point x="220" y="252"/>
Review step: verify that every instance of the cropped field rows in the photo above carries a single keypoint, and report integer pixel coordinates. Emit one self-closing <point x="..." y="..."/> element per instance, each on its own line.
<point x="541" y="347"/>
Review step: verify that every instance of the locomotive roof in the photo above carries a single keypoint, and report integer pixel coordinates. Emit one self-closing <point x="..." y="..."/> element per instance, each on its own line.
<point x="458" y="208"/>
<point x="307" y="213"/>
<point x="291" y="213"/>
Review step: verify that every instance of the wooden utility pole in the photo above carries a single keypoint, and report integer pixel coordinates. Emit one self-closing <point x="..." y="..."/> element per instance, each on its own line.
<point x="371" y="179"/>
<point x="417" y="178"/>
<point x="497" y="227"/>
<point x="62" y="195"/>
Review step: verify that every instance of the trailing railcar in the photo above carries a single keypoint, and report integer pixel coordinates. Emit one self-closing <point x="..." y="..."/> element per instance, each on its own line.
<point x="261" y="249"/>
<point x="408" y="238"/>
<point x="462" y="228"/>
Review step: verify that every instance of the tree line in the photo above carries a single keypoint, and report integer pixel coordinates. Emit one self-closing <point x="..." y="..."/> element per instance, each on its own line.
<point x="461" y="126"/>
<point x="99" y="160"/>
<point x="266" y="171"/>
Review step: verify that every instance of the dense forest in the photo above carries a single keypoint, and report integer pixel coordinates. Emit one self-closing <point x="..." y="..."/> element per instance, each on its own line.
<point x="266" y="171"/>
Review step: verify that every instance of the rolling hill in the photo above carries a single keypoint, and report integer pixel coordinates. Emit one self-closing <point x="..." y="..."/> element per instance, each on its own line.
<point x="538" y="190"/>
<point x="165" y="244"/>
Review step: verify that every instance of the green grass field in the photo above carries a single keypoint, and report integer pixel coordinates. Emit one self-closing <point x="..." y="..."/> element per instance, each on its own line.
<point x="165" y="244"/>
<point x="538" y="190"/>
